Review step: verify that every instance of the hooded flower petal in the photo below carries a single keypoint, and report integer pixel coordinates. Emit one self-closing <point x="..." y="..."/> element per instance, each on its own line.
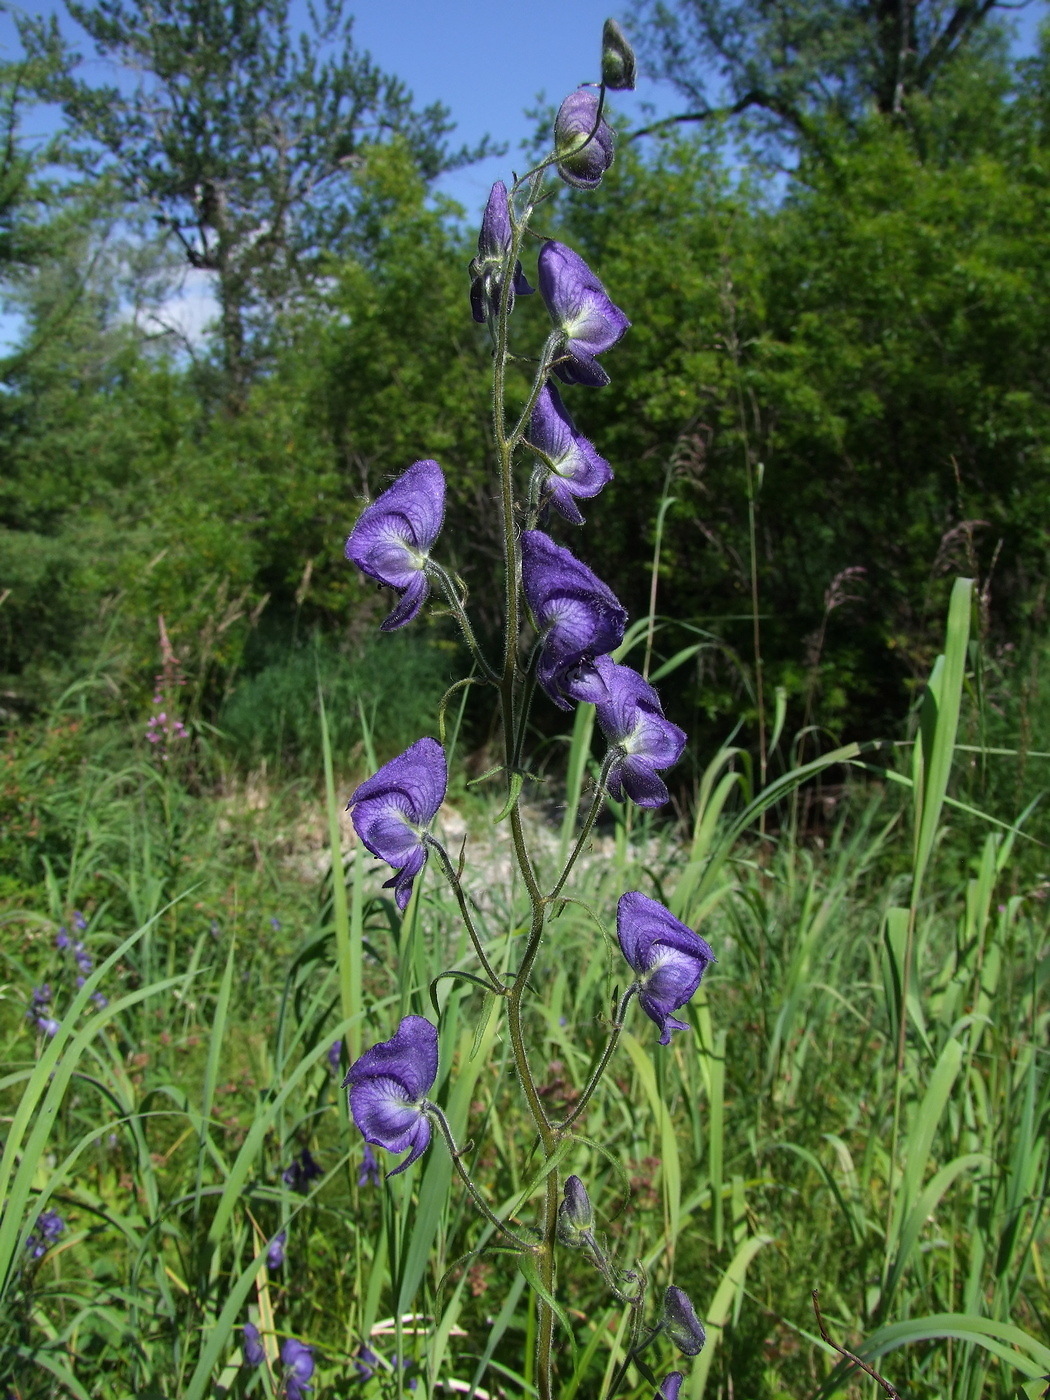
<point x="388" y="1087"/>
<point x="581" y="309"/>
<point x="251" y="1345"/>
<point x="669" y="958"/>
<point x="584" y="145"/>
<point x="391" y="542"/>
<point x="671" y="1385"/>
<point x="275" y="1253"/>
<point x="298" y="1359"/>
<point x="632" y="719"/>
<point x="486" y="269"/>
<point x="576" y="467"/>
<point x="392" y="810"/>
<point x="578" y="617"/>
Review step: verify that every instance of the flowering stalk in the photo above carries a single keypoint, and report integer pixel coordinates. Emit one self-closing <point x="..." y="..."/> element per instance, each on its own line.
<point x="579" y="623"/>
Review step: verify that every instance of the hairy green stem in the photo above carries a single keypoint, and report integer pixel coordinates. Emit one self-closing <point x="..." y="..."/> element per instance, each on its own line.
<point x="607" y="1054"/>
<point x="455" y="602"/>
<point x="435" y="1113"/>
<point x="591" y="818"/>
<point x="452" y="876"/>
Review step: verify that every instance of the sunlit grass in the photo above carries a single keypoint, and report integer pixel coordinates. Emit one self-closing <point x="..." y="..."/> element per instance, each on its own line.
<point x="751" y="1161"/>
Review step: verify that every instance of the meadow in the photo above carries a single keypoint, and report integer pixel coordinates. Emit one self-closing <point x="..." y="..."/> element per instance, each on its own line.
<point x="823" y="505"/>
<point x="861" y="1106"/>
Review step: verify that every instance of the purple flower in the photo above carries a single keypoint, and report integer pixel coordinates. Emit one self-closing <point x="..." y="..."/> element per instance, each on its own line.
<point x="576" y="467"/>
<point x="84" y="959"/>
<point x="275" y="924"/>
<point x="368" y="1174"/>
<point x="335" y="1054"/>
<point x="49" y="1225"/>
<point x="486" y="270"/>
<point x="298" y="1359"/>
<point x="668" y="957"/>
<point x="679" y="1320"/>
<point x="39" y="1009"/>
<point x="578" y="617"/>
<point x="672" y="1384"/>
<point x="391" y="542"/>
<point x="275" y="1253"/>
<point x="393" y="809"/>
<point x="632" y="719"/>
<point x="581" y="309"/>
<point x="62" y="939"/>
<point x="100" y="999"/>
<point x="584" y="153"/>
<point x="388" y="1087"/>
<point x="79" y="922"/>
<point x="301" y="1171"/>
<point x="365" y="1363"/>
<point x="251" y="1346"/>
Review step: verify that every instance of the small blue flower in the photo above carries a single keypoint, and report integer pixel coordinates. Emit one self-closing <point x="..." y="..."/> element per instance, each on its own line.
<point x="298" y="1359"/>
<point x="275" y="1253"/>
<point x="392" y="540"/>
<point x="365" y="1363"/>
<point x="79" y="922"/>
<point x="62" y="939"/>
<point x="392" y="810"/>
<point x="300" y="1172"/>
<point x="672" y="1384"/>
<point x="49" y="1225"/>
<point x="388" y="1087"/>
<point x="275" y="924"/>
<point x="335" y="1054"/>
<point x="251" y="1345"/>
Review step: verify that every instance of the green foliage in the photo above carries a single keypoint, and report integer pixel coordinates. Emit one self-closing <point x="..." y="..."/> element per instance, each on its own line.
<point x="393" y="684"/>
<point x="751" y="1160"/>
<point x="241" y="139"/>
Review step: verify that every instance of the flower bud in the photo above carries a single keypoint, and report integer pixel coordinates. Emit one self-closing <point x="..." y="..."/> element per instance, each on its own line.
<point x="583" y="143"/>
<point x="575" y="1214"/>
<point x="679" y="1320"/>
<point x="619" y="70"/>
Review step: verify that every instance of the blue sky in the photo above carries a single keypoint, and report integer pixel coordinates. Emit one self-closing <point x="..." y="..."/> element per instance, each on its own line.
<point x="487" y="60"/>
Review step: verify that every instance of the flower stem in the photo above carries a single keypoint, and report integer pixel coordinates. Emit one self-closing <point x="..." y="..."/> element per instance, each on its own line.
<point x="607" y="1054"/>
<point x="452" y="876"/>
<point x="592" y="817"/>
<point x="455" y="602"/>
<point x="432" y="1111"/>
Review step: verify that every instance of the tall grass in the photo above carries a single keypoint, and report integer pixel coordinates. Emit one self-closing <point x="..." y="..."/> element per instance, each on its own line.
<point x="863" y="1106"/>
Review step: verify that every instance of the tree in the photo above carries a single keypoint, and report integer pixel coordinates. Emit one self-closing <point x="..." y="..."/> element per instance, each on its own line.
<point x="796" y="62"/>
<point x="240" y="135"/>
